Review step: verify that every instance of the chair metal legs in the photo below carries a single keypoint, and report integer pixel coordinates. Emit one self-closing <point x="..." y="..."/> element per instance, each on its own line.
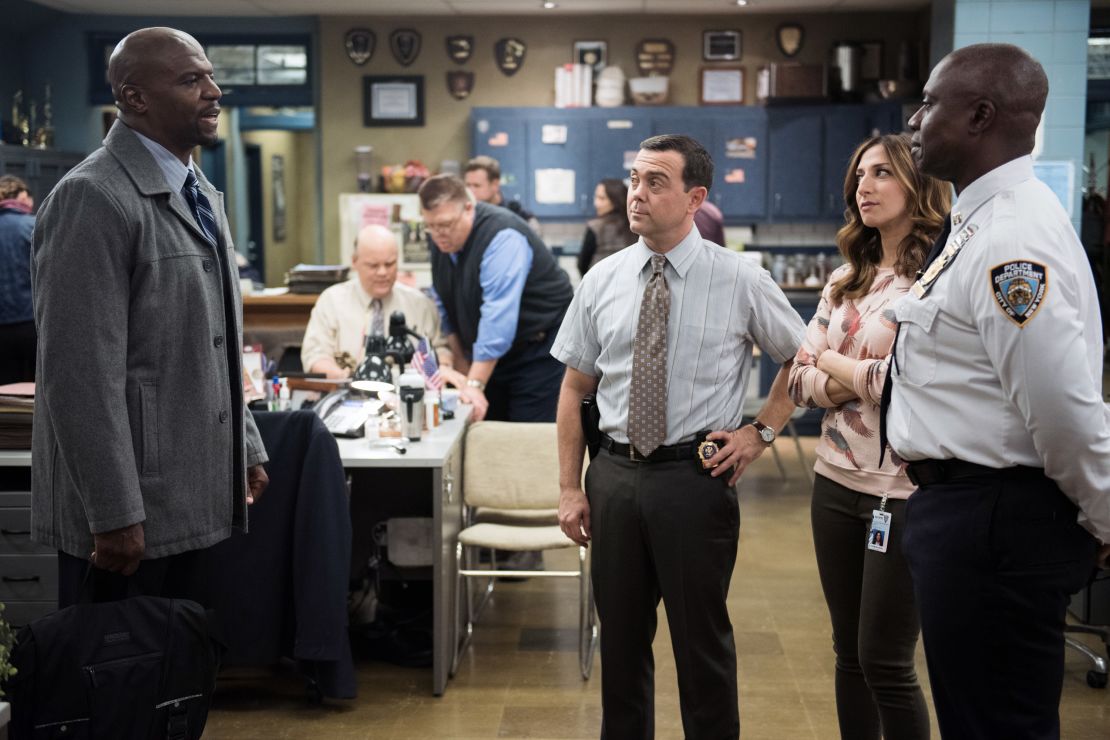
<point x="465" y="570"/>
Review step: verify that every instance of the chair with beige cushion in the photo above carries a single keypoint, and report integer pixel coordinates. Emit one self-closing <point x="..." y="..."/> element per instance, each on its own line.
<point x="511" y="491"/>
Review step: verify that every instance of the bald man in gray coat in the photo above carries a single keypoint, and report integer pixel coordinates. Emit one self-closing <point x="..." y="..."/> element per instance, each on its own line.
<point x="143" y="450"/>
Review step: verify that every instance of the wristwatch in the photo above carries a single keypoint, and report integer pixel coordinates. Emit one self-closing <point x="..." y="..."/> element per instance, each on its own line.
<point x="475" y="383"/>
<point x="766" y="433"/>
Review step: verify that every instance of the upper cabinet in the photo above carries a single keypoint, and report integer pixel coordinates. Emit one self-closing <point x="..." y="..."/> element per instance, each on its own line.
<point x="770" y="164"/>
<point x="810" y="150"/>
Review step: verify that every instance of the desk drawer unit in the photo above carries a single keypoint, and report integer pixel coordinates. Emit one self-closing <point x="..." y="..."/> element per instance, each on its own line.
<point x="15" y="534"/>
<point x="28" y="570"/>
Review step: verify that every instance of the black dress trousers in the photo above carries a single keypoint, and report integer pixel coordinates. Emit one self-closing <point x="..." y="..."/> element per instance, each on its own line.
<point x="994" y="559"/>
<point x="663" y="530"/>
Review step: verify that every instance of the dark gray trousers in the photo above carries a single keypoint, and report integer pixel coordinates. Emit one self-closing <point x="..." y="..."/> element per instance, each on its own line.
<point x="663" y="530"/>
<point x="874" y="618"/>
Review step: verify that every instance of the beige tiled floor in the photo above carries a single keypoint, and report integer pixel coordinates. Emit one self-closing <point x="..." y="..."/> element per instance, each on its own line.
<point x="782" y="635"/>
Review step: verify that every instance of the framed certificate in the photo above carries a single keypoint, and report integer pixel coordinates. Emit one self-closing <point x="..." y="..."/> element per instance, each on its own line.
<point x="393" y="101"/>
<point x="721" y="86"/>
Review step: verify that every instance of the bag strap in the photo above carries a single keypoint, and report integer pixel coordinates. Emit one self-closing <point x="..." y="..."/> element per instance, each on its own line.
<point x="177" y="724"/>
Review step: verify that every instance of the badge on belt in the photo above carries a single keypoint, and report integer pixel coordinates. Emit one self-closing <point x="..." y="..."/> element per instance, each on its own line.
<point x="706" y="450"/>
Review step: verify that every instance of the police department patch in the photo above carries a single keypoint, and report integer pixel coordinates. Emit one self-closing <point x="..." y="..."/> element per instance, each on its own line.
<point x="1019" y="288"/>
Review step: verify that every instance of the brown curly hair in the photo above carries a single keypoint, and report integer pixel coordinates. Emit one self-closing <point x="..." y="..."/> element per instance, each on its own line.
<point x="927" y="200"/>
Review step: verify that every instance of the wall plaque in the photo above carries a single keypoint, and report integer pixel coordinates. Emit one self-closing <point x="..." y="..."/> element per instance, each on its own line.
<point x="509" y="55"/>
<point x="360" y="43"/>
<point x="405" y="45"/>
<point x="655" y="57"/>
<point x="459" y="48"/>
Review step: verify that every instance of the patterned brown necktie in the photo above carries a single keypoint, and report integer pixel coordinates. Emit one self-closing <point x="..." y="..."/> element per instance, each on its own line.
<point x="377" y="324"/>
<point x="647" y="401"/>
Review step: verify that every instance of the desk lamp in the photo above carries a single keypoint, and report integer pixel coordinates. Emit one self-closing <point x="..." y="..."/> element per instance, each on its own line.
<point x="399" y="346"/>
<point x="374" y="375"/>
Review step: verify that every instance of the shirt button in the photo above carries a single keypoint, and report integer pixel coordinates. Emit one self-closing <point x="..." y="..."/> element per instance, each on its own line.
<point x="223" y="417"/>
<point x="207" y="265"/>
<point x="218" y="341"/>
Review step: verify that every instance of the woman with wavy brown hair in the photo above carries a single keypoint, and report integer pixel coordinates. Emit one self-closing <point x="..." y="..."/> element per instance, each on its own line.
<point x="893" y="214"/>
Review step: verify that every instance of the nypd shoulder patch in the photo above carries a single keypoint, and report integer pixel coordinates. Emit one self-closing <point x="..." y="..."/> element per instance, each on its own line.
<point x="1019" y="289"/>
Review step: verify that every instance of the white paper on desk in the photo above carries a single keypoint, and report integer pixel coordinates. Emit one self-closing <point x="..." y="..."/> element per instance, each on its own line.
<point x="555" y="185"/>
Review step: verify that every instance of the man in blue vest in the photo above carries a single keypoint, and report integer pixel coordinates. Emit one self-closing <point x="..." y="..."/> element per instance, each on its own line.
<point x="501" y="298"/>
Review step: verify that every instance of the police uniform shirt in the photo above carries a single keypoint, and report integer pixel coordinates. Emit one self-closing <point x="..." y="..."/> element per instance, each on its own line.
<point x="720" y="305"/>
<point x="1000" y="363"/>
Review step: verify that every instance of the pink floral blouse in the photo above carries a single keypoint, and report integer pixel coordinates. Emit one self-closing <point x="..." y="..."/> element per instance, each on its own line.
<point x="863" y="329"/>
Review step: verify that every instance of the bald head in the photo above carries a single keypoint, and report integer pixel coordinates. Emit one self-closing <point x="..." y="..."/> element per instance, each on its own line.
<point x="1009" y="77"/>
<point x="375" y="260"/>
<point x="981" y="108"/>
<point x="163" y="86"/>
<point x="143" y="53"/>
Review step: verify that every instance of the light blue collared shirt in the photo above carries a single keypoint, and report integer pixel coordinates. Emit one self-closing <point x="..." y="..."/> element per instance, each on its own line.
<point x="502" y="274"/>
<point x="175" y="171"/>
<point x="721" y="305"/>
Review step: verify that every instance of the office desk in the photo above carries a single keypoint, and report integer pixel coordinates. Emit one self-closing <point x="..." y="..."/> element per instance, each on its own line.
<point x="277" y="322"/>
<point x="433" y="465"/>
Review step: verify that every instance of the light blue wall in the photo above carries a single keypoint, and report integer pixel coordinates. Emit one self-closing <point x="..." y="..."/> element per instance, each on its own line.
<point x="1055" y="32"/>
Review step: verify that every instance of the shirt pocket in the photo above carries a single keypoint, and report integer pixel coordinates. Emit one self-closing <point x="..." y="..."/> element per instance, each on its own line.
<point x="702" y="353"/>
<point x="916" y="354"/>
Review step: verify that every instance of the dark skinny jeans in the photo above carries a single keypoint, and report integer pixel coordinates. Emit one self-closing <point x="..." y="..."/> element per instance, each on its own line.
<point x="874" y="619"/>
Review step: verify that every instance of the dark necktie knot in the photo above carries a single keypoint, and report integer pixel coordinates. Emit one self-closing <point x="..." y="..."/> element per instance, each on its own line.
<point x="658" y="262"/>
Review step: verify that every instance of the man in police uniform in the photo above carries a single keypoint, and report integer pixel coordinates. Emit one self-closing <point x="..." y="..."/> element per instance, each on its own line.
<point x="997" y="408"/>
<point x="663" y="331"/>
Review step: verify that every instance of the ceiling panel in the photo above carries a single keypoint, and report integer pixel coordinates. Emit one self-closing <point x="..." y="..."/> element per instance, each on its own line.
<point x="464" y="7"/>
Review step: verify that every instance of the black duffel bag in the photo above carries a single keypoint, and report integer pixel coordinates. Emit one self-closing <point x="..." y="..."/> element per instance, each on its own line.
<point x="143" y="667"/>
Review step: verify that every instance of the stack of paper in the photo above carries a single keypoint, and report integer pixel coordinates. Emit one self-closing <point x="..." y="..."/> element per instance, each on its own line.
<point x="17" y="406"/>
<point x="574" y="85"/>
<point x="315" y="278"/>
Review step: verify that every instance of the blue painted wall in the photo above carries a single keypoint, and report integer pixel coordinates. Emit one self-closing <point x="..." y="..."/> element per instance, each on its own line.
<point x="1055" y="33"/>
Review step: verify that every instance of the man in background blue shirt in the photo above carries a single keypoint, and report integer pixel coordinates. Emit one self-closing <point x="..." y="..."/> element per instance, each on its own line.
<point x="17" y="318"/>
<point x="501" y="297"/>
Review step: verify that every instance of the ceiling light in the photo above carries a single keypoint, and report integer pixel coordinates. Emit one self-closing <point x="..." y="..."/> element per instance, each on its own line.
<point x="548" y="4"/>
<point x="741" y="3"/>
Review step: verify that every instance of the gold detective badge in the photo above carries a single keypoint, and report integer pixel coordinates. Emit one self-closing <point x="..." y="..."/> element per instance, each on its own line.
<point x="706" y="450"/>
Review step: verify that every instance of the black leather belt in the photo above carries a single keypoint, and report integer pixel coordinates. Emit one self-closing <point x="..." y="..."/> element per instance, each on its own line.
<point x="668" y="453"/>
<point x="928" y="472"/>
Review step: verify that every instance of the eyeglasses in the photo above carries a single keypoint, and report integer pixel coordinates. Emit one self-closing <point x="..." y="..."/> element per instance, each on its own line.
<point x="444" y="228"/>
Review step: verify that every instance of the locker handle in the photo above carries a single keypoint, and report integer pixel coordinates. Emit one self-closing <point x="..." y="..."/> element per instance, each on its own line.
<point x="20" y="579"/>
<point x="14" y="531"/>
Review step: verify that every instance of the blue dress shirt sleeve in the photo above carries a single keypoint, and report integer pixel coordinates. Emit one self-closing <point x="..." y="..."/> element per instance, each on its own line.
<point x="445" y="327"/>
<point x="502" y="274"/>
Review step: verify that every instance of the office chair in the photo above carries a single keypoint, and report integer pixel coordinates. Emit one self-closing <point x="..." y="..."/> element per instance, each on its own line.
<point x="1085" y="611"/>
<point x="511" y="474"/>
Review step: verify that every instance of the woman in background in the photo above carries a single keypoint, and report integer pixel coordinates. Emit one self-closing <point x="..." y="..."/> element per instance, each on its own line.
<point x="17" y="320"/>
<point x="893" y="214"/>
<point x="609" y="232"/>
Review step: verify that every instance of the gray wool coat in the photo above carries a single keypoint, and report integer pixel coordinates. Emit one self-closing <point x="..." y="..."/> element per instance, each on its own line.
<point x="139" y="413"/>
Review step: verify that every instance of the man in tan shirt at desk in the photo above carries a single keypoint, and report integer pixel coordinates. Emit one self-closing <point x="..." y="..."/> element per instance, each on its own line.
<point x="345" y="314"/>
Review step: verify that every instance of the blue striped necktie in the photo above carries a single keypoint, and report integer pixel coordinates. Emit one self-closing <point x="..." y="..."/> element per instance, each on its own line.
<point x="201" y="208"/>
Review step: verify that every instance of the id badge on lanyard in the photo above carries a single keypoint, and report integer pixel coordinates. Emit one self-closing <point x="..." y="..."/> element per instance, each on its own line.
<point x="878" y="538"/>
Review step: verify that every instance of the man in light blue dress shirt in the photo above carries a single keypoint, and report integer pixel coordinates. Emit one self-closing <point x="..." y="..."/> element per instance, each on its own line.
<point x="664" y="522"/>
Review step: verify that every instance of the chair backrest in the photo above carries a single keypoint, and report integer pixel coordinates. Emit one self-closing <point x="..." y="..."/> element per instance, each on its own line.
<point x="511" y="465"/>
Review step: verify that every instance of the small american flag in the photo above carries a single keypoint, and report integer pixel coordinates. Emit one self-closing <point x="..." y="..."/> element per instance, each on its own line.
<point x="424" y="358"/>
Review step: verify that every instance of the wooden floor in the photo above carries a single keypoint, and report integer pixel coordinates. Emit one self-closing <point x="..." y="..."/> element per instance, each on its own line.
<point x="520" y="679"/>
